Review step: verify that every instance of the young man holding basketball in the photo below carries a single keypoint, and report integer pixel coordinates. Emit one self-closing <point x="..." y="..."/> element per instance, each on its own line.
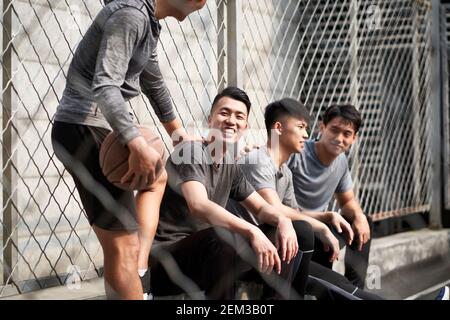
<point x="116" y="57"/>
<point x="201" y="245"/>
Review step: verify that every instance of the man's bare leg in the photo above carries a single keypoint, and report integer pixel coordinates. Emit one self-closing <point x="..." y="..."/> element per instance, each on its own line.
<point x="147" y="206"/>
<point x="120" y="251"/>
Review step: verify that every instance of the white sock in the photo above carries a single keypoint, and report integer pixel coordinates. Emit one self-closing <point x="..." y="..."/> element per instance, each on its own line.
<point x="142" y="272"/>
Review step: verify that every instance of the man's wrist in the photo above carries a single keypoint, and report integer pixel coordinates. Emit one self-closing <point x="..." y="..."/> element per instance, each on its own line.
<point x="137" y="143"/>
<point x="318" y="215"/>
<point x="327" y="217"/>
<point x="174" y="128"/>
<point x="322" y="228"/>
<point x="358" y="216"/>
<point x="282" y="219"/>
<point x="250" y="231"/>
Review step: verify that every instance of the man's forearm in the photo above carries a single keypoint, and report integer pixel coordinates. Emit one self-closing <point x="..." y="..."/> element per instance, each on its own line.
<point x="172" y="126"/>
<point x="351" y="210"/>
<point x="268" y="215"/>
<point x="318" y="215"/>
<point x="112" y="106"/>
<point x="175" y="130"/>
<point x="316" y="224"/>
<point x="218" y="216"/>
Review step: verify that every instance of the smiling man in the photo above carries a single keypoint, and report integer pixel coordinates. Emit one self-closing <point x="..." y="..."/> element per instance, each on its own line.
<point x="265" y="168"/>
<point x="320" y="172"/>
<point x="209" y="246"/>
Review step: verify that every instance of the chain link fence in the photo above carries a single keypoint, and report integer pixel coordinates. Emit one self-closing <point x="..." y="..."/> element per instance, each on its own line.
<point x="374" y="54"/>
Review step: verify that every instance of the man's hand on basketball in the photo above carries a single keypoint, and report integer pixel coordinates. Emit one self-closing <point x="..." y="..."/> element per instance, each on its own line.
<point x="361" y="228"/>
<point x="143" y="163"/>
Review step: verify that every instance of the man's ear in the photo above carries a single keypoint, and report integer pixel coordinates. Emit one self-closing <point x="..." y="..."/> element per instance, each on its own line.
<point x="278" y="128"/>
<point x="321" y="126"/>
<point x="209" y="120"/>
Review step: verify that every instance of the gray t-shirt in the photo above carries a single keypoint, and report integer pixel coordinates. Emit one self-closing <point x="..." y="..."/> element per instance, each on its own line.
<point x="221" y="182"/>
<point x="116" y="57"/>
<point x="314" y="183"/>
<point x="260" y="170"/>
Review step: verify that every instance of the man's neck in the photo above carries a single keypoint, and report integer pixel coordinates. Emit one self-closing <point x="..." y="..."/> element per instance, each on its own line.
<point x="217" y="151"/>
<point x="324" y="157"/>
<point x="161" y="9"/>
<point x="278" y="154"/>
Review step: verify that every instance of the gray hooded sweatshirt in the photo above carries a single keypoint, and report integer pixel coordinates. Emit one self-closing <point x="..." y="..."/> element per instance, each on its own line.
<point x="115" y="59"/>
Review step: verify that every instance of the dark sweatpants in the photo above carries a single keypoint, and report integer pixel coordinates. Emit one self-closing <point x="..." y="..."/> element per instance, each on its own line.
<point x="356" y="262"/>
<point x="213" y="259"/>
<point x="326" y="284"/>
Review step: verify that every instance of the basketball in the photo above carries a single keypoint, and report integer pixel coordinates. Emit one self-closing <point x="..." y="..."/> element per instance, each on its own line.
<point x="114" y="157"/>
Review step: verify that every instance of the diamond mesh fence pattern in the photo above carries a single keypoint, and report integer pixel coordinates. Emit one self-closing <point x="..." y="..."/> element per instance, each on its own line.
<point x="44" y="231"/>
<point x="375" y="55"/>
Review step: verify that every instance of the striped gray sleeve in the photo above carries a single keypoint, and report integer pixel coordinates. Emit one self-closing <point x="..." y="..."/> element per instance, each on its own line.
<point x="154" y="87"/>
<point x="121" y="31"/>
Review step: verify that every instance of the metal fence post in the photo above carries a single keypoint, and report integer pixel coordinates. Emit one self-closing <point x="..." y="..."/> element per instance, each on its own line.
<point x="354" y="88"/>
<point x="417" y="117"/>
<point x="436" y="117"/>
<point x="9" y="182"/>
<point x="221" y="48"/>
<point x="445" y="103"/>
<point x="234" y="43"/>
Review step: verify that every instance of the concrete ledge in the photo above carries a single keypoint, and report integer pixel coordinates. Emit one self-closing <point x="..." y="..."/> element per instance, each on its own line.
<point x="89" y="289"/>
<point x="408" y="248"/>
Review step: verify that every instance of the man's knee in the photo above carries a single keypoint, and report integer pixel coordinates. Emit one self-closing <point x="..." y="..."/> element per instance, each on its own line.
<point x="123" y="252"/>
<point x="161" y="182"/>
<point x="305" y="235"/>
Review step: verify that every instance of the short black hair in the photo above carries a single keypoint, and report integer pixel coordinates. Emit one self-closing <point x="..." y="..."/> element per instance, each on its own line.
<point x="233" y="93"/>
<point x="346" y="111"/>
<point x="284" y="107"/>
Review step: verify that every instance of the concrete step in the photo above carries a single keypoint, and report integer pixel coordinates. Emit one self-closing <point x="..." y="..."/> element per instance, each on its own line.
<point x="408" y="248"/>
<point x="411" y="265"/>
<point x="413" y="282"/>
<point x="86" y="290"/>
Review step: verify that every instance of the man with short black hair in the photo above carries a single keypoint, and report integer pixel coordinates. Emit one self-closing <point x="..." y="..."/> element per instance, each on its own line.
<point x="320" y="172"/>
<point x="206" y="243"/>
<point x="265" y="168"/>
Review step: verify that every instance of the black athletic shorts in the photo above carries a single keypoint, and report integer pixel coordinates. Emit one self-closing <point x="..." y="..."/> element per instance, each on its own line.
<point x="106" y="206"/>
